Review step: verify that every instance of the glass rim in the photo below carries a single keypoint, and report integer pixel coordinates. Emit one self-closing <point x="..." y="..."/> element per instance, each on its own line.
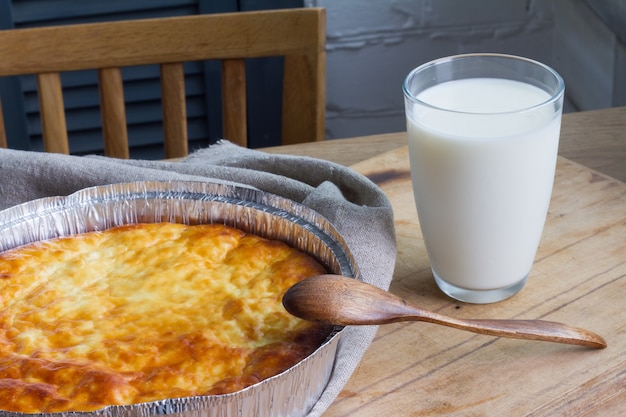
<point x="553" y="97"/>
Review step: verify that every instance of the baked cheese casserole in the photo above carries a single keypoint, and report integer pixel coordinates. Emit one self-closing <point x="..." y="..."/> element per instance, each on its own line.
<point x="147" y="312"/>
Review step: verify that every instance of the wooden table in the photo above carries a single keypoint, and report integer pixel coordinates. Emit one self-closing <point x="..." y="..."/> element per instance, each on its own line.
<point x="579" y="277"/>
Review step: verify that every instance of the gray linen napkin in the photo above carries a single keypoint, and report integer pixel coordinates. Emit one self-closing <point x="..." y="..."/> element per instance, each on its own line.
<point x="354" y="205"/>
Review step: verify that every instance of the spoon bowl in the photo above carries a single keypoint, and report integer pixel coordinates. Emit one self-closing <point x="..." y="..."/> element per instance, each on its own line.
<point x="344" y="301"/>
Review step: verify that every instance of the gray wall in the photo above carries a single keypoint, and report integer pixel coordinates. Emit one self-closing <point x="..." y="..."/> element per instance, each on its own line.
<point x="373" y="44"/>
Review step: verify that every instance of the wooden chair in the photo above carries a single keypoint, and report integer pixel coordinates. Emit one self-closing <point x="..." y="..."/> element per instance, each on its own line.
<point x="296" y="34"/>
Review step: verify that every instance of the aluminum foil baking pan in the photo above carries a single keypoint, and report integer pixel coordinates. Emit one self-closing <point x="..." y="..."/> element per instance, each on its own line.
<point x="291" y="393"/>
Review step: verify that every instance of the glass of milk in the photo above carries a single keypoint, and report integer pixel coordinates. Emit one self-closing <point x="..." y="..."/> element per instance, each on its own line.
<point x="483" y="134"/>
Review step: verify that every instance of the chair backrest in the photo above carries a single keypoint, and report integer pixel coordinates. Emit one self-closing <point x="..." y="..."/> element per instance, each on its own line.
<point x="296" y="34"/>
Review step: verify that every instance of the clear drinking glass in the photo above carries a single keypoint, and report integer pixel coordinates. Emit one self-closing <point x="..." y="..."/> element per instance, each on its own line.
<point x="483" y="135"/>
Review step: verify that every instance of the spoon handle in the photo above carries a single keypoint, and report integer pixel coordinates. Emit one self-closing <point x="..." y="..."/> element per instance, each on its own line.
<point x="346" y="301"/>
<point x="523" y="329"/>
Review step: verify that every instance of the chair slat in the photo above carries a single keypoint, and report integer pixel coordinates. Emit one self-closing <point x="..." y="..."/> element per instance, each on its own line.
<point x="159" y="40"/>
<point x="304" y="99"/>
<point x="113" y="110"/>
<point x="234" y="114"/>
<point x="52" y="113"/>
<point x="174" y="110"/>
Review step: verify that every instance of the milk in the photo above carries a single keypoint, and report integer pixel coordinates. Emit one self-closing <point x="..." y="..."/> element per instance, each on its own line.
<point x="482" y="182"/>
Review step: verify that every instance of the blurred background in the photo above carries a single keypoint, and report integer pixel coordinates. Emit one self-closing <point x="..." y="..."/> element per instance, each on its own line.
<point x="371" y="46"/>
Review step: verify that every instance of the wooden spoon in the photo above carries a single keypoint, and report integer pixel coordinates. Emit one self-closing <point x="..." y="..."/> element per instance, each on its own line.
<point x="344" y="301"/>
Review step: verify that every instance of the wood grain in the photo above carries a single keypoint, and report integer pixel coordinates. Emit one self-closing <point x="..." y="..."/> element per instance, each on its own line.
<point x="596" y="139"/>
<point x="345" y="301"/>
<point x="174" y="110"/>
<point x="113" y="110"/>
<point x="234" y="108"/>
<point x="52" y="112"/>
<point x="138" y="42"/>
<point x="302" y="83"/>
<point x="577" y="278"/>
<point x="347" y="151"/>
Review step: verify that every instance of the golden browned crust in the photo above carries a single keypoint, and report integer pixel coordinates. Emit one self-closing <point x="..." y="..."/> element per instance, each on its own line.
<point x="146" y="312"/>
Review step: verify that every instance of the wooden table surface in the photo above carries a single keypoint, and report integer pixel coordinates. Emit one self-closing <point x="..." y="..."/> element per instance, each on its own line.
<point x="596" y="139"/>
<point x="420" y="369"/>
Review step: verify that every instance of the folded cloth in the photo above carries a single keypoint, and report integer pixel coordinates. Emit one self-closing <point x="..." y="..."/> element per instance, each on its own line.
<point x="358" y="209"/>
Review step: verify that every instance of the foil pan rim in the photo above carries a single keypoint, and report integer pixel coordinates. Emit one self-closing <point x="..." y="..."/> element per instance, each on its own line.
<point x="227" y="193"/>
